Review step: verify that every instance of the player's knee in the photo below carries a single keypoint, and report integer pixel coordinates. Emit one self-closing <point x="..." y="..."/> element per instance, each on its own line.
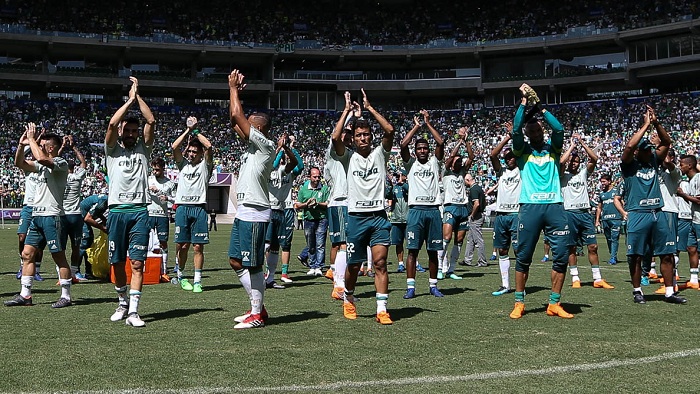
<point x="503" y="252"/>
<point x="521" y="266"/>
<point x="183" y="246"/>
<point x="560" y="266"/>
<point x="235" y="264"/>
<point x="593" y="248"/>
<point x="198" y="248"/>
<point x="136" y="265"/>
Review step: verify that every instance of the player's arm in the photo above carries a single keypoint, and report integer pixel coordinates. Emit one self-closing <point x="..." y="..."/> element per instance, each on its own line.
<point x="517" y="133"/>
<point x="176" y="146"/>
<point x="664" y="138"/>
<point x="64" y="145"/>
<point x="440" y="147"/>
<point x="337" y="136"/>
<point x="292" y="160"/>
<point x="455" y="152"/>
<point x="598" y="211"/>
<point x="567" y="154"/>
<point x="194" y="130"/>
<point x="39" y="155"/>
<point x="115" y="122"/>
<point x="628" y="152"/>
<point x="557" y="136"/>
<point x="405" y="153"/>
<point x="20" y="161"/>
<point x="619" y="205"/>
<point x="77" y="152"/>
<point x="592" y="156"/>
<point x="496" y="152"/>
<point x="239" y="122"/>
<point x="687" y="197"/>
<point x="149" y="128"/>
<point x="388" y="137"/>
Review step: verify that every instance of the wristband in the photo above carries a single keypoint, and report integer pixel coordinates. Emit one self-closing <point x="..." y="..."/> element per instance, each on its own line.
<point x="195" y="132"/>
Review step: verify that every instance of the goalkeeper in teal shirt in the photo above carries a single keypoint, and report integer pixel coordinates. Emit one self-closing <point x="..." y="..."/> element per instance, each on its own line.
<point x="540" y="199"/>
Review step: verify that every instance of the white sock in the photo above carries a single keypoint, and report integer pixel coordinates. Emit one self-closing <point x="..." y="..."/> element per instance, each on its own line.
<point x="410" y="283"/>
<point x="26" y="282"/>
<point x="694" y="275"/>
<point x="164" y="267"/>
<point x="73" y="270"/>
<point x="121" y="294"/>
<point x="382" y="299"/>
<point x="272" y="259"/>
<point x="653" y="267"/>
<point x="197" y="276"/>
<point x="341" y="264"/>
<point x="65" y="288"/>
<point x="37" y="267"/>
<point x="669" y="291"/>
<point x="257" y="291"/>
<point x="493" y="254"/>
<point x="369" y="259"/>
<point x="454" y="255"/>
<point x="573" y="271"/>
<point x="638" y="289"/>
<point x="244" y="276"/>
<point x="432" y="282"/>
<point x="134" y="299"/>
<point x="177" y="267"/>
<point x="504" y="265"/>
<point x="442" y="259"/>
<point x="596" y="273"/>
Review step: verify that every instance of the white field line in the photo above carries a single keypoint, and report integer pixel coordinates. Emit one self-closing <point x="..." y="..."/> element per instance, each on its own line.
<point x="403" y="381"/>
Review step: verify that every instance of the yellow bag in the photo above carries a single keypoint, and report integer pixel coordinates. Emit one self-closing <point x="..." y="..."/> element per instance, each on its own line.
<point x="97" y="255"/>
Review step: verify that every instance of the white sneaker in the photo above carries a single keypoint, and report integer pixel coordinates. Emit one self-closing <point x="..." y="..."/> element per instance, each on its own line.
<point x="119" y="314"/>
<point x="318" y="272"/>
<point x="286" y="279"/>
<point x="134" y="320"/>
<point x="311" y="272"/>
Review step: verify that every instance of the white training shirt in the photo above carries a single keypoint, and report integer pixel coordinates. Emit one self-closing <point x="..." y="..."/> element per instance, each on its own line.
<point x="127" y="170"/>
<point x="574" y="190"/>
<point x="694" y="190"/>
<point x="509" y="185"/>
<point x="668" y="183"/>
<point x="280" y="187"/>
<point x="366" y="177"/>
<point x="166" y="187"/>
<point x="31" y="180"/>
<point x="455" y="188"/>
<point x="423" y="181"/>
<point x="193" y="182"/>
<point x="48" y="200"/>
<point x="684" y="209"/>
<point x="336" y="174"/>
<point x="72" y="195"/>
<point x="253" y="178"/>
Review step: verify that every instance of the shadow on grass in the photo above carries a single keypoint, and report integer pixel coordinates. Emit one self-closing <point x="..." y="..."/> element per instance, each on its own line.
<point x="455" y="290"/>
<point x="34" y="291"/>
<point x="407" y="312"/>
<point x="223" y="286"/>
<point x="535" y="289"/>
<point x="297" y="317"/>
<point x="574" y="309"/>
<point x="176" y="313"/>
<point x="90" y="301"/>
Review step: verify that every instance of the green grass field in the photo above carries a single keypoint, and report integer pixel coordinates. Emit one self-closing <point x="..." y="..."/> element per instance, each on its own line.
<point x="464" y="342"/>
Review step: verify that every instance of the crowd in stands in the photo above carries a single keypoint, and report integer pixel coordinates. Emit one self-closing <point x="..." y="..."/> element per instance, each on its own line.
<point x="361" y="22"/>
<point x="604" y="125"/>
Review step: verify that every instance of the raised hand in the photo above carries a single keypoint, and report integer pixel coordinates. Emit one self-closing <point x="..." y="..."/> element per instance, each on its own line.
<point x="281" y="140"/>
<point x="134" y="88"/>
<point x="416" y="121"/>
<point x="524" y="88"/>
<point x="365" y="102"/>
<point x="426" y="115"/>
<point x="348" y="101"/>
<point x="235" y="80"/>
<point x="30" y="131"/>
<point x="191" y="122"/>
<point x="462" y="132"/>
<point x="508" y="126"/>
<point x="356" y="110"/>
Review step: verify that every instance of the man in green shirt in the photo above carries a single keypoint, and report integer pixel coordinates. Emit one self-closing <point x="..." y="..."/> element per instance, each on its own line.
<point x="313" y="199"/>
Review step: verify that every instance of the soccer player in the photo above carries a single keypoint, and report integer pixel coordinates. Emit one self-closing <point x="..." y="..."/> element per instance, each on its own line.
<point x="424" y="223"/>
<point x="47" y="216"/>
<point x="540" y="199"/>
<point x="689" y="216"/>
<point x="280" y="187"/>
<point x="71" y="205"/>
<point x="127" y="169"/>
<point x="455" y="217"/>
<point x="191" y="199"/>
<point x="25" y="219"/>
<point x="366" y="215"/>
<point x="289" y="212"/>
<point x="648" y="230"/>
<point x="247" y="246"/>
<point x="505" y="227"/>
<point x="87" y="205"/>
<point x="336" y="174"/>
<point x="161" y="191"/>
<point x="399" y="214"/>
<point x="577" y="206"/>
<point x="608" y="215"/>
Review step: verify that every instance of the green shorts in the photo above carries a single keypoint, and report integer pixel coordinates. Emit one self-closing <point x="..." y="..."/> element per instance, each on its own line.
<point x="247" y="243"/>
<point x="47" y="231"/>
<point x="128" y="231"/>
<point x="286" y="240"/>
<point x="191" y="225"/>
<point x="534" y="218"/>
<point x="87" y="239"/>
<point x="456" y="216"/>
<point x="25" y="219"/>
<point x="275" y="230"/>
<point x="424" y="225"/>
<point x="369" y="229"/>
<point x="161" y="225"/>
<point x="650" y="232"/>
<point x="398" y="233"/>
<point x="337" y="222"/>
<point x="581" y="227"/>
<point x="505" y="230"/>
